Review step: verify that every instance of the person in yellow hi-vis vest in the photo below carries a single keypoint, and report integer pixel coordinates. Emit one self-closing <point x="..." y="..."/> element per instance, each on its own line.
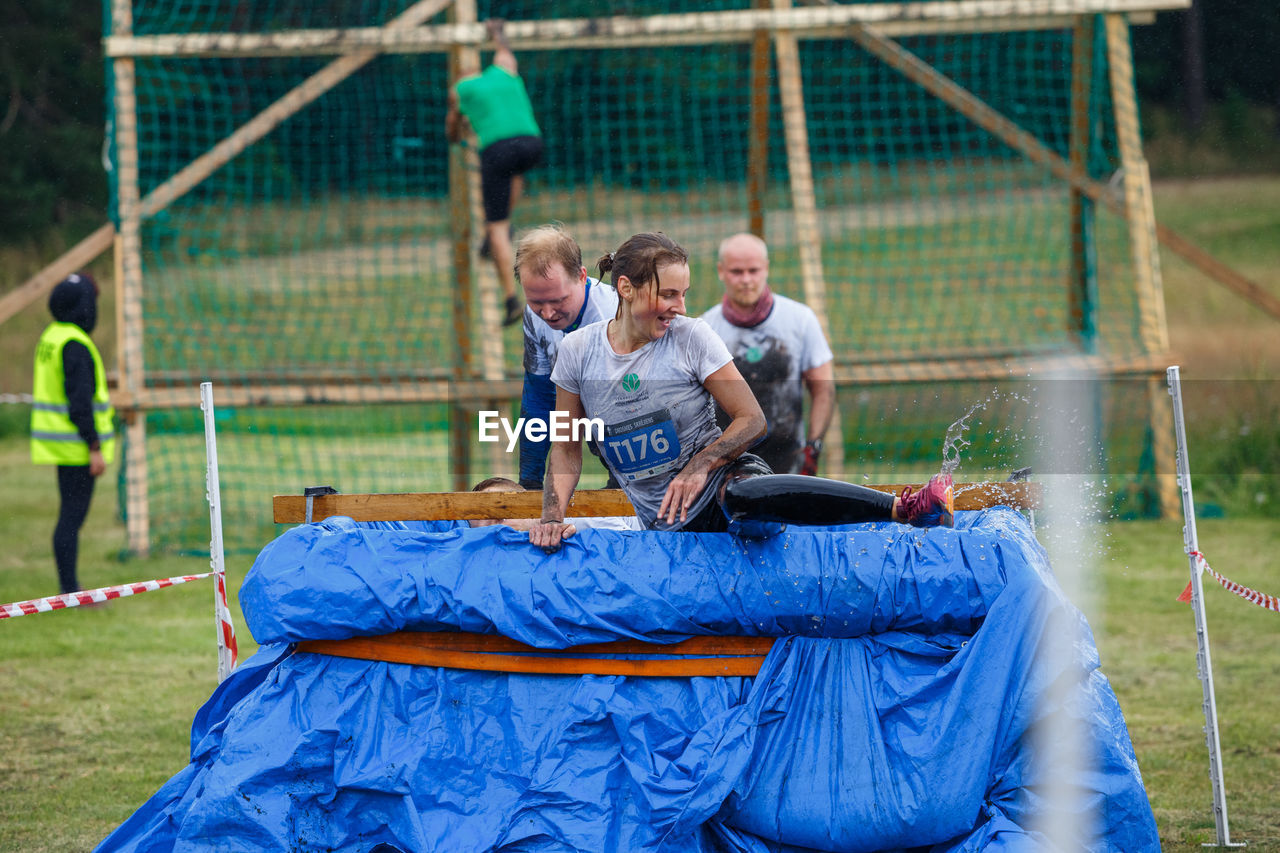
<point x="71" y="416"/>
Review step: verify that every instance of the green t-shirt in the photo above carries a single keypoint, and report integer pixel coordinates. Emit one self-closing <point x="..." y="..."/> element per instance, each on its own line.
<point x="497" y="105"/>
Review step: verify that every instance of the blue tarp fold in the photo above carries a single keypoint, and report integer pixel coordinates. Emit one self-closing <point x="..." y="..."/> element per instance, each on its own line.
<point x="899" y="712"/>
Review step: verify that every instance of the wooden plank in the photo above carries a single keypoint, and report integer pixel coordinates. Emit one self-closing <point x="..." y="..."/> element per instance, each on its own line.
<point x="309" y="374"/>
<point x="396" y="648"/>
<point x="626" y="31"/>
<point x="291" y="509"/>
<point x="428" y="506"/>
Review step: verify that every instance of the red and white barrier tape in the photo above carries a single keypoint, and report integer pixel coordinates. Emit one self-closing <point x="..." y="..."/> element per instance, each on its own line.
<point x="224" y="618"/>
<point x="107" y="593"/>
<point x="1268" y="602"/>
<point x="91" y="596"/>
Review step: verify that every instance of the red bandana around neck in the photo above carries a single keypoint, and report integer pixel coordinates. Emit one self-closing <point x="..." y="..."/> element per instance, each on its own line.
<point x="748" y="318"/>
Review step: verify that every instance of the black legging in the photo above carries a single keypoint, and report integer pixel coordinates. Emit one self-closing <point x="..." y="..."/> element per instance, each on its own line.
<point x="75" y="487"/>
<point x="795" y="499"/>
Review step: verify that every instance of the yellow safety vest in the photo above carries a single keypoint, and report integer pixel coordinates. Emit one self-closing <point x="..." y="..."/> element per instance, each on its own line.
<point x="54" y="439"/>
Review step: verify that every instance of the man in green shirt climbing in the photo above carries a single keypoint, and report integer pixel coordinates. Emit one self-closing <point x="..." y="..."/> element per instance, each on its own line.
<point x="497" y="106"/>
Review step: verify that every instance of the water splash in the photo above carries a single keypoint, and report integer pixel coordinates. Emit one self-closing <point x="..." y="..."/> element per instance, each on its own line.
<point x="955" y="441"/>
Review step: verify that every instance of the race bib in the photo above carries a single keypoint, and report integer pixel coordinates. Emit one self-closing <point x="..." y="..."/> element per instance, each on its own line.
<point x="642" y="446"/>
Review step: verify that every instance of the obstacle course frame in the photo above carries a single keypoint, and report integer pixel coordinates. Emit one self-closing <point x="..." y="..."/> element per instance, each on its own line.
<point x="476" y="375"/>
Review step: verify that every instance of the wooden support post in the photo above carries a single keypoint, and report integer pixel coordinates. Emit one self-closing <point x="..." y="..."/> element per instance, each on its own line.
<point x="462" y="62"/>
<point x="497" y="461"/>
<point x="805" y="208"/>
<point x="1082" y="278"/>
<point x="758" y="130"/>
<point x="129" y="287"/>
<point x="1139" y="214"/>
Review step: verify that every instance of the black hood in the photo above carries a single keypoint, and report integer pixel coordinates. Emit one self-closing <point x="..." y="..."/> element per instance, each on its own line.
<point x="75" y="300"/>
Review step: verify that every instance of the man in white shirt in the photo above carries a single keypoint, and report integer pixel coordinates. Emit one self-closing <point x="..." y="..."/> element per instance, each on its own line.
<point x="778" y="346"/>
<point x="559" y="298"/>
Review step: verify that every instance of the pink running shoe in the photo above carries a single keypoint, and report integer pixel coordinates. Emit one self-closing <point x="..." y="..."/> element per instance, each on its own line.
<point x="932" y="506"/>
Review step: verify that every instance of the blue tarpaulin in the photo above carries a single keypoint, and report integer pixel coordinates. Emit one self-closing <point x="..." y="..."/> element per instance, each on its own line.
<point x="903" y="710"/>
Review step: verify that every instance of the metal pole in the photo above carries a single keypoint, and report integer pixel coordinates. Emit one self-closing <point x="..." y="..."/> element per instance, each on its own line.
<point x="1203" y="663"/>
<point x="217" y="560"/>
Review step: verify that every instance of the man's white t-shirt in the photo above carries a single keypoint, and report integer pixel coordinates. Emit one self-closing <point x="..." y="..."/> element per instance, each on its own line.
<point x="773" y="357"/>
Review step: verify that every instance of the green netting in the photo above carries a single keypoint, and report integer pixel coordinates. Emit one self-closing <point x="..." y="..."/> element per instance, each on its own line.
<point x="323" y="253"/>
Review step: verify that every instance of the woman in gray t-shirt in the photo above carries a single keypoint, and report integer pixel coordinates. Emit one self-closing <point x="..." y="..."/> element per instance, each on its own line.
<point x="652" y="377"/>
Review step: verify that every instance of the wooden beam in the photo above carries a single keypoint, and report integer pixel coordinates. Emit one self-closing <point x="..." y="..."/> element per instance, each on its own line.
<point x="626" y="31"/>
<point x="1138" y="210"/>
<point x="997" y="368"/>
<point x="469" y="393"/>
<point x="476" y="391"/>
<point x="464" y="61"/>
<point x="739" y="656"/>
<point x="434" y="506"/>
<point x="128" y="265"/>
<point x="426" y="506"/>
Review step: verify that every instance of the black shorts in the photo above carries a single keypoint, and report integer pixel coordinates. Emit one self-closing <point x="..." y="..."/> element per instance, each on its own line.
<point x="499" y="163"/>
<point x="712" y="519"/>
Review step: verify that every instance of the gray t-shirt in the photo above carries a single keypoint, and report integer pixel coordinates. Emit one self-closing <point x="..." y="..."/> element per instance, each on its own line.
<point x="656" y="411"/>
<point x="773" y="357"/>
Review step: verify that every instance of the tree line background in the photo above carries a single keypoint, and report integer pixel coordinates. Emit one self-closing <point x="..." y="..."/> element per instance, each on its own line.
<point x="1208" y="81"/>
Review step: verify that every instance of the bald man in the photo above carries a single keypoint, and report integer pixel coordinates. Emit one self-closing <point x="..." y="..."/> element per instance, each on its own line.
<point x="778" y="346"/>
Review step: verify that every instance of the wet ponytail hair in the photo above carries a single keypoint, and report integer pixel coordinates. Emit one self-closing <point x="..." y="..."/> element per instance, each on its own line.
<point x="639" y="258"/>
